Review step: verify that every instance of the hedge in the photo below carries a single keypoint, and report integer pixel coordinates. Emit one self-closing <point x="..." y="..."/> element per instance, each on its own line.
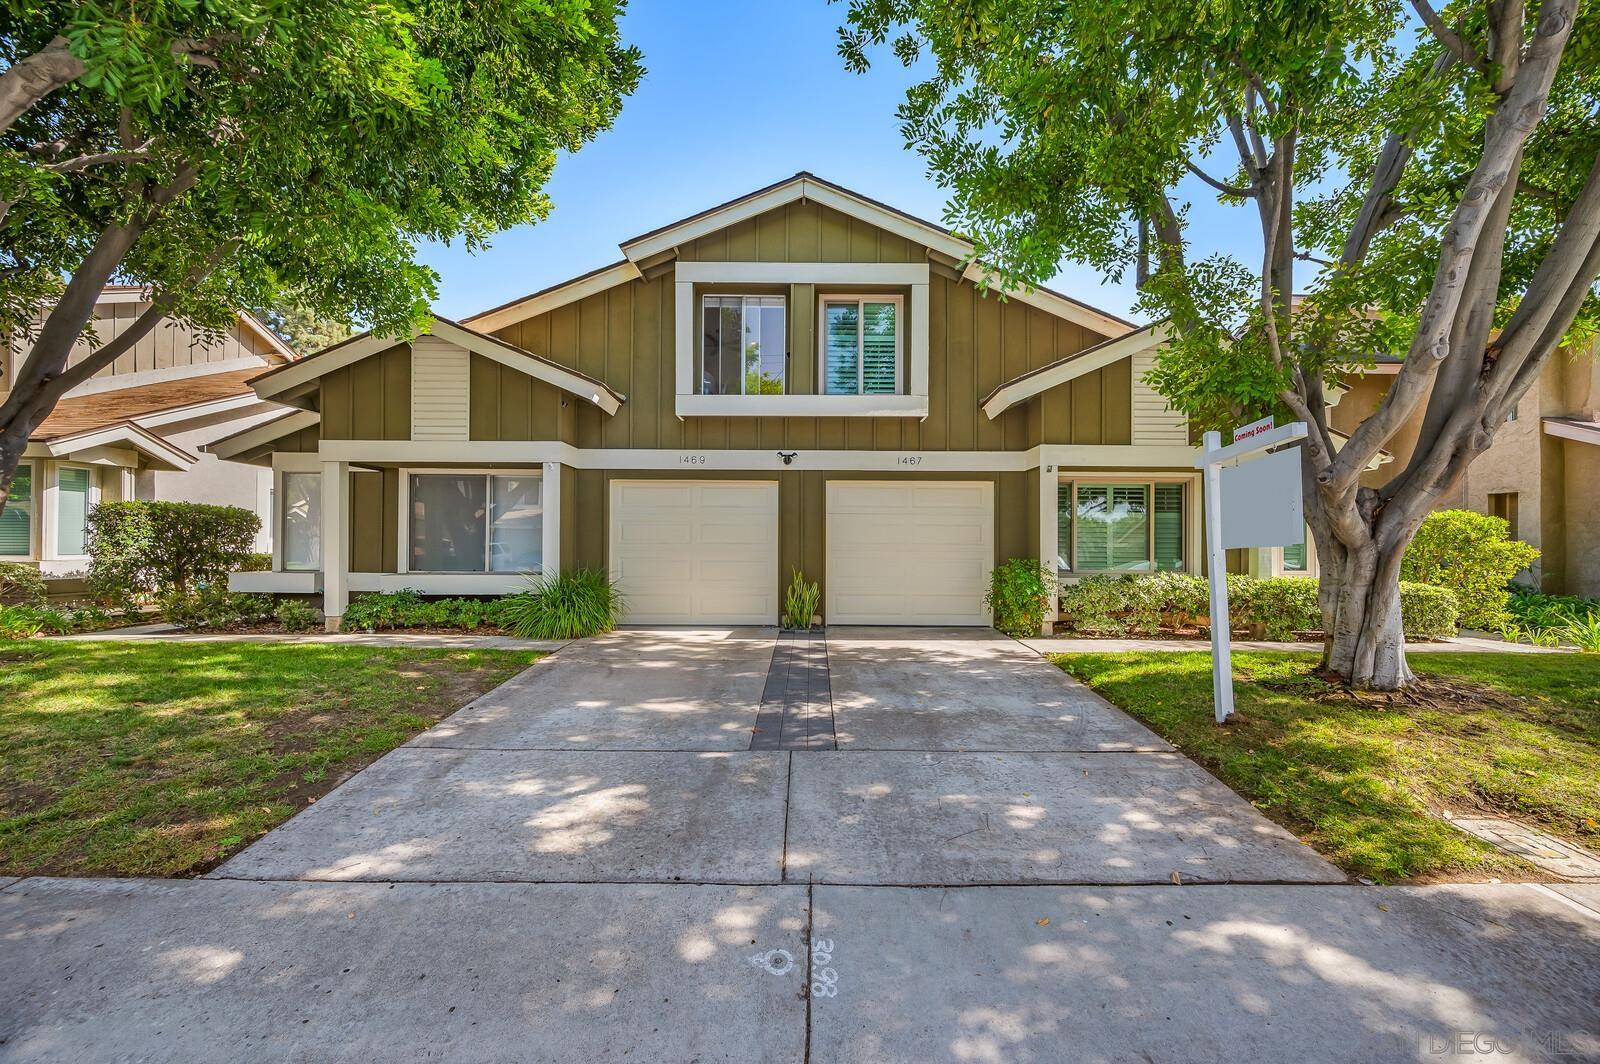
<point x="1146" y="604"/>
<point x="1473" y="555"/>
<point x="143" y="548"/>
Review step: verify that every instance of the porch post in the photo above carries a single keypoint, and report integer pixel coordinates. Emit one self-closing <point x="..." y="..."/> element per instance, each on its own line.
<point x="550" y="493"/>
<point x="335" y="541"/>
<point x="1049" y="548"/>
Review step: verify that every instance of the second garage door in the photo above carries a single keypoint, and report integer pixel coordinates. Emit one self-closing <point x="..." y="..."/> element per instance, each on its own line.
<point x="695" y="552"/>
<point x="909" y="552"/>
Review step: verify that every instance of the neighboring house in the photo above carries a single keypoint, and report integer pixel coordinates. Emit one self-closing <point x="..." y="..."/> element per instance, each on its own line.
<point x="1540" y="474"/>
<point x="135" y="430"/>
<point x="802" y="378"/>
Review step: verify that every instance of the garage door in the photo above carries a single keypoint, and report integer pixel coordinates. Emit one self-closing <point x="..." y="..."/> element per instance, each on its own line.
<point x="692" y="552"/>
<point x="909" y="553"/>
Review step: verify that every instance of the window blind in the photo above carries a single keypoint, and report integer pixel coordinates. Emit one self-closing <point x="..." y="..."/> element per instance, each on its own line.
<point x="841" y="369"/>
<point x="17" y="520"/>
<point x="72" y="512"/>
<point x="1169" y="526"/>
<point x="878" y="345"/>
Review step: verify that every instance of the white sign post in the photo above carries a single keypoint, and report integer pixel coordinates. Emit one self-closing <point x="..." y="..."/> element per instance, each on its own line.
<point x="1253" y="503"/>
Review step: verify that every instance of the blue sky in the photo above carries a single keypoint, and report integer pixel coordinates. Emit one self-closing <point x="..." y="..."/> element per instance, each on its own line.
<point x="737" y="95"/>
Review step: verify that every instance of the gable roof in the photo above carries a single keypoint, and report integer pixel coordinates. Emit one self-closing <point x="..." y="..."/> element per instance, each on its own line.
<point x="282" y="379"/>
<point x="1027" y="385"/>
<point x="802" y="186"/>
<point x="81" y="413"/>
<point x="258" y="436"/>
<point x="132" y="293"/>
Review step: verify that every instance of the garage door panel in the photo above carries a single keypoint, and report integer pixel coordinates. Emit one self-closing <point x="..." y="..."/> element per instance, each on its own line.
<point x="690" y="552"/>
<point x="908" y="553"/>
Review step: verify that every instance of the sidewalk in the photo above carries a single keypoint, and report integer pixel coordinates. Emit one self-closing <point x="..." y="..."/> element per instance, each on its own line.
<point x="1460" y="644"/>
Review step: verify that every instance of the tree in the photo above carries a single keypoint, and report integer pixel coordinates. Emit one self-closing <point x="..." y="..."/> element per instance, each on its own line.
<point x="221" y="152"/>
<point x="306" y="329"/>
<point x="1438" y="169"/>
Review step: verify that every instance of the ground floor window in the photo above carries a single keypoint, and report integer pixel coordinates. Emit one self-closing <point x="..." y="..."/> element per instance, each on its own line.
<point x="301" y="546"/>
<point x="1119" y="526"/>
<point x="73" y="486"/>
<point x="16" y="522"/>
<point x="475" y="522"/>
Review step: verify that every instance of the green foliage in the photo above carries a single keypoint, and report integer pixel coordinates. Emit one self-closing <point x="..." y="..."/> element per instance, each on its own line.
<point x="141" y="548"/>
<point x="321" y="141"/>
<point x="255" y="562"/>
<point x="800" y="602"/>
<point x="1428" y="611"/>
<point x="1473" y="555"/>
<point x="214" y="606"/>
<point x="1279" y="609"/>
<point x="1545" y="619"/>
<point x="296" y="616"/>
<point x="408" y="609"/>
<point x="25" y="621"/>
<point x="1019" y="594"/>
<point x="303" y="327"/>
<point x="1584" y="633"/>
<point x="570" y="605"/>
<point x="21" y="583"/>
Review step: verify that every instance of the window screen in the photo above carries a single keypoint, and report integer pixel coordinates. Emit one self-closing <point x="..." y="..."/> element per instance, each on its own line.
<point x="72" y="512"/>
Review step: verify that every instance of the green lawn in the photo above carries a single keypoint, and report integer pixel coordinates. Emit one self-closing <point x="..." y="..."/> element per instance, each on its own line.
<point x="1356" y="777"/>
<point x="161" y="759"/>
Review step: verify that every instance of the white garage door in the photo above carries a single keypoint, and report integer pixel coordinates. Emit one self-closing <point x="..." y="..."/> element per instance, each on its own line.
<point x="909" y="553"/>
<point x="691" y="552"/>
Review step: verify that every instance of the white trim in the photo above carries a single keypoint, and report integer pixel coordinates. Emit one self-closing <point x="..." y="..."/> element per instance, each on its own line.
<point x="553" y="298"/>
<point x="307" y="370"/>
<point x="1044" y="299"/>
<point x="208" y="408"/>
<point x="296" y="462"/>
<point x="441" y="583"/>
<point x="1073" y="366"/>
<point x="1193" y="514"/>
<point x="1049" y="540"/>
<point x="683" y="345"/>
<point x="860" y="299"/>
<point x="276" y="429"/>
<point x="162" y="453"/>
<point x="892" y="221"/>
<point x="550" y="503"/>
<point x="802" y="406"/>
<point x="1117" y="456"/>
<point x="403" y="524"/>
<point x="1587" y="432"/>
<point x="118" y="381"/>
<point x="279" y="495"/>
<point x="744" y="307"/>
<point x="818" y="273"/>
<point x="335" y="544"/>
<point x="283" y="582"/>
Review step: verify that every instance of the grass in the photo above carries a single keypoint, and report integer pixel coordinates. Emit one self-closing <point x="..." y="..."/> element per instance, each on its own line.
<point x="1356" y="777"/>
<point x="163" y="759"/>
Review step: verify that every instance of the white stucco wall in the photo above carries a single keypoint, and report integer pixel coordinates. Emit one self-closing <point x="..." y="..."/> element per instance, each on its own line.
<point x="213" y="481"/>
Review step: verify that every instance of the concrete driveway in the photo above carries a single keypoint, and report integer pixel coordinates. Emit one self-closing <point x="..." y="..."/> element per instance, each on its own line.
<point x="971" y="857"/>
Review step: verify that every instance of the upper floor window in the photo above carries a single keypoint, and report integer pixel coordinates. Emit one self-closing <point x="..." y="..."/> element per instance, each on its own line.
<point x="744" y="345"/>
<point x="861" y="345"/>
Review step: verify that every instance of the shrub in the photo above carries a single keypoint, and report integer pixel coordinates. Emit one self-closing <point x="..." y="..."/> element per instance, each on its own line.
<point x="408" y="609"/>
<point x="21" y="583"/>
<point x="570" y="605"/>
<point x="1135" y="603"/>
<point x="255" y="562"/>
<point x="214" y="606"/>
<point x="1535" y="613"/>
<point x="296" y="616"/>
<point x="1019" y="594"/>
<point x="140" y="548"/>
<point x="1474" y="556"/>
<point x="1428" y="611"/>
<point x="1584" y="633"/>
<point x="1282" y="606"/>
<point x="800" y="602"/>
<point x="27" y="620"/>
<point x="19" y="622"/>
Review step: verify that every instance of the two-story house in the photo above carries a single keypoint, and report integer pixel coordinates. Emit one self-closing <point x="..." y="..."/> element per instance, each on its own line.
<point x="802" y="378"/>
<point x="136" y="430"/>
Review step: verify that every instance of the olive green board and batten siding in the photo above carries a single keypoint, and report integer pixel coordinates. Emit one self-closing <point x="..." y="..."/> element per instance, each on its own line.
<point x="369" y="399"/>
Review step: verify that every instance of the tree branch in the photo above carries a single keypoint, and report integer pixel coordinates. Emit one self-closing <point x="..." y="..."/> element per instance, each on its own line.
<point x="1448" y="37"/>
<point x="30" y="80"/>
<point x="85" y="162"/>
<point x="1221" y="186"/>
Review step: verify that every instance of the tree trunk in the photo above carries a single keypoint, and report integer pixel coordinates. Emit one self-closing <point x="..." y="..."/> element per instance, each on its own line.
<point x="1365" y="638"/>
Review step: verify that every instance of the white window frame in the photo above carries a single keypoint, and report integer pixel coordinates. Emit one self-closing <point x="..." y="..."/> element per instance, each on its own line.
<point x="1190" y="516"/>
<point x="1312" y="569"/>
<point x="701" y="356"/>
<point x="860" y="300"/>
<point x="35" y="493"/>
<point x="403" y="530"/>
<point x="280" y="537"/>
<point x="51" y="522"/>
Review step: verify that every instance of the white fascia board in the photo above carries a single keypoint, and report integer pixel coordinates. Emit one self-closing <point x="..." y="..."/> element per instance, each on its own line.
<point x="670" y="238"/>
<point x="1032" y="384"/>
<point x="162" y="454"/>
<point x="1115" y="456"/>
<point x="281" y="582"/>
<point x="552" y="298"/>
<point x="120" y="381"/>
<point x="272" y="339"/>
<point x="263" y="434"/>
<point x="453" y="452"/>
<point x="821" y="273"/>
<point x="533" y="366"/>
<point x="928" y="236"/>
<point x="802" y="406"/>
<point x="197" y="410"/>
<point x="1582" y="432"/>
<point x="1060" y="306"/>
<point x="309" y="369"/>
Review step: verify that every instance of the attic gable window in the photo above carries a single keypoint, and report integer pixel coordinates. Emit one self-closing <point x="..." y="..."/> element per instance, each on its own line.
<point x="743" y="345"/>
<point x="861" y="345"/>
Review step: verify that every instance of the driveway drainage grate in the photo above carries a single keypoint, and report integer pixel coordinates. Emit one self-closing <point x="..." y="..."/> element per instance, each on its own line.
<point x="797" y="704"/>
